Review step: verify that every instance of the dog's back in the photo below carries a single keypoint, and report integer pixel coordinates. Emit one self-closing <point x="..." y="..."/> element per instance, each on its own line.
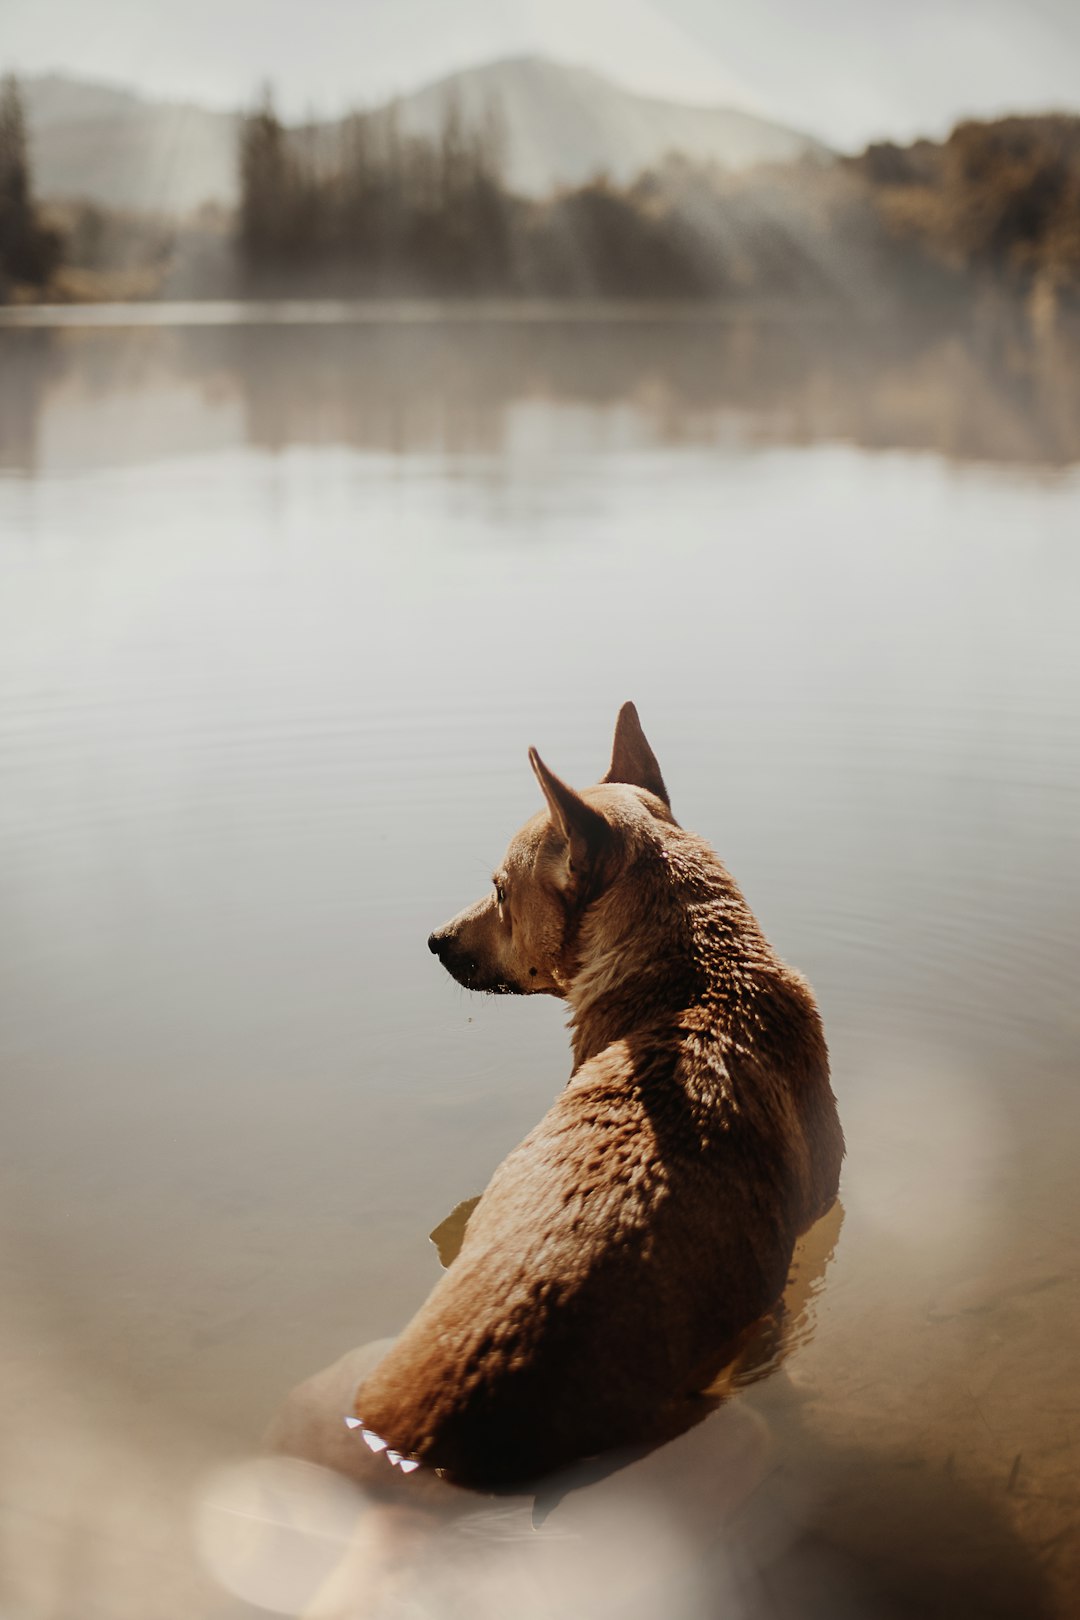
<point x="623" y="1249"/>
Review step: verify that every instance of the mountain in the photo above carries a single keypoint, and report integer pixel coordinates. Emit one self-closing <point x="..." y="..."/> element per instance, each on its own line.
<point x="125" y="150"/>
<point x="562" y="125"/>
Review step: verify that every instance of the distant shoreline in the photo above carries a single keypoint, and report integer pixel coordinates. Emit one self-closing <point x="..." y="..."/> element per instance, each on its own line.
<point x="410" y="312"/>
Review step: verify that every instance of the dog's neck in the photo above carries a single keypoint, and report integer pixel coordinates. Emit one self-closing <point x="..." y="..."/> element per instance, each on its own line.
<point x="620" y="986"/>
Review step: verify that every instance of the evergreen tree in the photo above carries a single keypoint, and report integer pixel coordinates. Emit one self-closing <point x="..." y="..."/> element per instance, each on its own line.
<point x="28" y="251"/>
<point x="264" y="183"/>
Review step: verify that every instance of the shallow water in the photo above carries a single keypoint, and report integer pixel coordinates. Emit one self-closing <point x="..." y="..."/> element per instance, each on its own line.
<point x="282" y="609"/>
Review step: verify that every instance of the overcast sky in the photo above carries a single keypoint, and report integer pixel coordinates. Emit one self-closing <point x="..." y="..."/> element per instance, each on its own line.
<point x="847" y="70"/>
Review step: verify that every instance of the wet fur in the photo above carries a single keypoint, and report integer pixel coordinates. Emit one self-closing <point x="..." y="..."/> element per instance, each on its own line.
<point x="622" y="1251"/>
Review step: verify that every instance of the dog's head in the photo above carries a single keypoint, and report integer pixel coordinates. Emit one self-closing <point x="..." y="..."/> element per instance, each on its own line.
<point x="520" y="938"/>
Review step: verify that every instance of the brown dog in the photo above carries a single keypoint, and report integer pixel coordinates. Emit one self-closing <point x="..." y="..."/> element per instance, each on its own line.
<point x="622" y="1251"/>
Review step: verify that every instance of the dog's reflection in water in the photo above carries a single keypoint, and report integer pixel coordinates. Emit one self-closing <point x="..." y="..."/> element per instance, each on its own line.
<point x="791" y="1321"/>
<point x="326" y="1528"/>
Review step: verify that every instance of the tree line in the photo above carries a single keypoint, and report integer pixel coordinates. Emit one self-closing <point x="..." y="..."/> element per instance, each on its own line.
<point x="997" y="200"/>
<point x="365" y="207"/>
<point x="362" y="197"/>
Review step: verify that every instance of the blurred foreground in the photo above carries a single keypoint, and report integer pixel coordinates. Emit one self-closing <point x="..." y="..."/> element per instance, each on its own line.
<point x="114" y="1509"/>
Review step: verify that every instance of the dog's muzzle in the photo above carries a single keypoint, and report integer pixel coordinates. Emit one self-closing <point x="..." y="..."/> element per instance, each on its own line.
<point x="464" y="968"/>
<point x="458" y="963"/>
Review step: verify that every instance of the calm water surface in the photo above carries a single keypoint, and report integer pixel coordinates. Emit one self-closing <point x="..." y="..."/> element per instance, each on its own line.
<point x="282" y="609"/>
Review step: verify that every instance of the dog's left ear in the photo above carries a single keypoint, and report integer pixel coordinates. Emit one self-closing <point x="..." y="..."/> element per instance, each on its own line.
<point x="584" y="828"/>
<point x="632" y="760"/>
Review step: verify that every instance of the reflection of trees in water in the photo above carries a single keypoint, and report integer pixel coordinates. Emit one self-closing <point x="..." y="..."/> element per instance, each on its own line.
<point x="30" y="363"/>
<point x="992" y="390"/>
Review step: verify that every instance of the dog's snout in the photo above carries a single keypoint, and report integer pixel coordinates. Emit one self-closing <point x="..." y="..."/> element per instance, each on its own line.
<point x="437" y="944"/>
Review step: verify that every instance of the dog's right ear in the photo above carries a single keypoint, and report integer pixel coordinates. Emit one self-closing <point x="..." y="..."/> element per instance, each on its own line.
<point x="583" y="827"/>
<point x="632" y="760"/>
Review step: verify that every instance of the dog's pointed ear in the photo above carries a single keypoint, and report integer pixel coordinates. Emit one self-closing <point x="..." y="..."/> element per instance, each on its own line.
<point x="583" y="827"/>
<point x="632" y="760"/>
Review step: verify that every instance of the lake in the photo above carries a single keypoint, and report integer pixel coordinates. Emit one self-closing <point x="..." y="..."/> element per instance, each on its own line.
<point x="285" y="601"/>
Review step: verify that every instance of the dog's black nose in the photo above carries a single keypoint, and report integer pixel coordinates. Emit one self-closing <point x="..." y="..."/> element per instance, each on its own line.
<point x="435" y="944"/>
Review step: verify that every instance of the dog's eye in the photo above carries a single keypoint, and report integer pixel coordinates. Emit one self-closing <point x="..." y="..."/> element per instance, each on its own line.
<point x="500" y="894"/>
